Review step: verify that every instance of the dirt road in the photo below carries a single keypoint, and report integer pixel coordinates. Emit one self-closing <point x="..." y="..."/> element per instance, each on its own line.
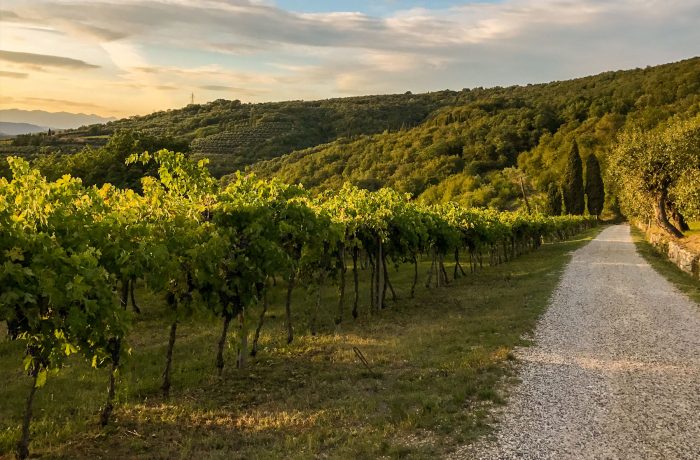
<point x="615" y="369"/>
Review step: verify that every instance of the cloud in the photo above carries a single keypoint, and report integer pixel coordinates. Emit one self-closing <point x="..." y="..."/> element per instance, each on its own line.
<point x="7" y="15"/>
<point x="51" y="102"/>
<point x="124" y="54"/>
<point x="141" y="86"/>
<point x="43" y="60"/>
<point x="239" y="26"/>
<point x="209" y="72"/>
<point x="8" y="74"/>
<point x="232" y="90"/>
<point x="264" y="52"/>
<point x="216" y="88"/>
<point x="249" y="27"/>
<point x="100" y="33"/>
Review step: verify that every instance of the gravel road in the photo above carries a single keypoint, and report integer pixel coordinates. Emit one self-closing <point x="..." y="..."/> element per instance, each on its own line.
<point x="615" y="369"/>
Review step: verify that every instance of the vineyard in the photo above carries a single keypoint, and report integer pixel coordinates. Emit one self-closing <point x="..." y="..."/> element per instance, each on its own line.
<point x="231" y="141"/>
<point x="230" y="148"/>
<point x="72" y="256"/>
<point x="235" y="135"/>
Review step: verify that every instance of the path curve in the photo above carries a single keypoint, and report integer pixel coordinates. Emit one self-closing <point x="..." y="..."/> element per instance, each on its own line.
<point x="615" y="369"/>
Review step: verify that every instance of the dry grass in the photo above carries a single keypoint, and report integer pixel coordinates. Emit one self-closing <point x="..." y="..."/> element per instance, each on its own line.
<point x="692" y="237"/>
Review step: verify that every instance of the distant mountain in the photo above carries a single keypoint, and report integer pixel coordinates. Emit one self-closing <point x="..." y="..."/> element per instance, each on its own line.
<point x="55" y="120"/>
<point x="13" y="129"/>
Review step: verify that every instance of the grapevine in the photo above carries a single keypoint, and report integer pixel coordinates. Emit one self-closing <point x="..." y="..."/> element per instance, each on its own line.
<point x="71" y="254"/>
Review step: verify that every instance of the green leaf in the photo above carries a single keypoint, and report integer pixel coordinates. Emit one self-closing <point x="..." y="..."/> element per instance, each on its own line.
<point x="41" y="379"/>
<point x="69" y="349"/>
<point x="27" y="362"/>
<point x="15" y="254"/>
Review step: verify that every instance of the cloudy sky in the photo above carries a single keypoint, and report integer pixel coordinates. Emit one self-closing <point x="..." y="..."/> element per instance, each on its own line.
<point x="124" y="57"/>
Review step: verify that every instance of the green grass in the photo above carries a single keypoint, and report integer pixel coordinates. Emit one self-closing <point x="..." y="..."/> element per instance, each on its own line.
<point x="694" y="229"/>
<point x="438" y="363"/>
<point x="682" y="280"/>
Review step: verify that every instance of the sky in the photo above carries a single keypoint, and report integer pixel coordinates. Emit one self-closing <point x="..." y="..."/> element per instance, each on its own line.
<point x="128" y="57"/>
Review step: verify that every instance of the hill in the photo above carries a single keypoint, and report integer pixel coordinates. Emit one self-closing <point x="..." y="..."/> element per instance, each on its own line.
<point x="54" y="120"/>
<point x="234" y="135"/>
<point x="463" y="150"/>
<point x="447" y="145"/>
<point x="12" y="129"/>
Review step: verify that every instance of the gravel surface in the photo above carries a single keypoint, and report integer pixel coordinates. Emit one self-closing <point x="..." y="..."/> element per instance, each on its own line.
<point x="615" y="369"/>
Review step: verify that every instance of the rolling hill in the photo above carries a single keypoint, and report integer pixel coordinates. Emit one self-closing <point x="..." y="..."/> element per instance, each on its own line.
<point x="447" y="145"/>
<point x="53" y="120"/>
<point x="463" y="150"/>
<point x="8" y="129"/>
<point x="234" y="135"/>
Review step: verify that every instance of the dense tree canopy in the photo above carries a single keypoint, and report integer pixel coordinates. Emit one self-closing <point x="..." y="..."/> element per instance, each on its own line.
<point x="572" y="182"/>
<point x="442" y="146"/>
<point x="595" y="189"/>
<point x="655" y="171"/>
<point x="459" y="151"/>
<point x="554" y="200"/>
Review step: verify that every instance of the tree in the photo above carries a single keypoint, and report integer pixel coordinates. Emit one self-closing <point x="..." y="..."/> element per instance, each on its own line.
<point x="572" y="184"/>
<point x="518" y="178"/>
<point x="687" y="193"/>
<point x="554" y="200"/>
<point x="595" y="191"/>
<point x="651" y="166"/>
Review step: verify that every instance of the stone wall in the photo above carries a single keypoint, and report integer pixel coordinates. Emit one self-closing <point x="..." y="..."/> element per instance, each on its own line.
<point x="686" y="260"/>
<point x="683" y="257"/>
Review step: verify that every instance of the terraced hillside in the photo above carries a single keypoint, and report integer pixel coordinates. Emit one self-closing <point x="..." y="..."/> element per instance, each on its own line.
<point x="234" y="134"/>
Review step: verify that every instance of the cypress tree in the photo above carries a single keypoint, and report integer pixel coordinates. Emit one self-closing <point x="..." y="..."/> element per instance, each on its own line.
<point x="595" y="191"/>
<point x="554" y="200"/>
<point x="572" y="184"/>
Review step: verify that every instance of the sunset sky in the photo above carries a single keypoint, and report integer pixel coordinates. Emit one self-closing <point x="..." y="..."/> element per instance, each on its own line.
<point x="125" y="57"/>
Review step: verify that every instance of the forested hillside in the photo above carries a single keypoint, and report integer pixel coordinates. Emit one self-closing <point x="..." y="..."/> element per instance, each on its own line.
<point x="233" y="135"/>
<point x="461" y="151"/>
<point x="480" y="147"/>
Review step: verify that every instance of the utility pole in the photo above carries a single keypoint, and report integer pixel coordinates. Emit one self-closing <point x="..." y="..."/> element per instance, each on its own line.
<point x="192" y="98"/>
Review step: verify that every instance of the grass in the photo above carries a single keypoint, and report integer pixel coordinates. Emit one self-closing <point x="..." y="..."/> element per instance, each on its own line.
<point x="682" y="280"/>
<point x="694" y="229"/>
<point x="691" y="238"/>
<point x="438" y="363"/>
